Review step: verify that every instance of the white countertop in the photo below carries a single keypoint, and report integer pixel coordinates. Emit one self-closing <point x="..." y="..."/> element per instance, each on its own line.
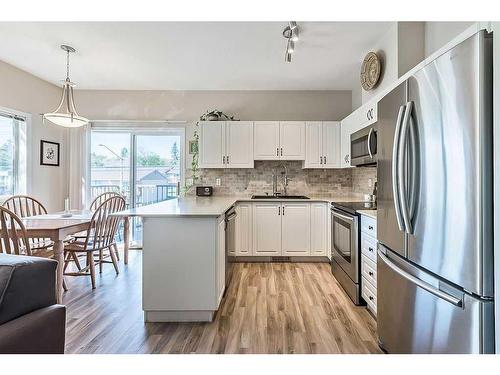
<point x="214" y="205"/>
<point x="369" y="213"/>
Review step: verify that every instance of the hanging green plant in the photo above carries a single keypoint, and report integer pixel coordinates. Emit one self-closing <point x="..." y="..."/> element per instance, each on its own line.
<point x="214" y="115"/>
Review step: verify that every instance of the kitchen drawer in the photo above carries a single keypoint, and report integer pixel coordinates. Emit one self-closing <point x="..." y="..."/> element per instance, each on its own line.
<point x="369" y="226"/>
<point x="369" y="270"/>
<point x="369" y="294"/>
<point x="369" y="247"/>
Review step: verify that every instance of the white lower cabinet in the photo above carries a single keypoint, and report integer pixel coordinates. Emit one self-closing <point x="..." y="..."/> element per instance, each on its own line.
<point x="243" y="240"/>
<point x="319" y="229"/>
<point x="369" y="262"/>
<point x="267" y="228"/>
<point x="221" y="258"/>
<point x="295" y="229"/>
<point x="281" y="229"/>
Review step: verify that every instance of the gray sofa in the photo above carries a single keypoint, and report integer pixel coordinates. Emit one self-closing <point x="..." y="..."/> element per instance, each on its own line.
<point x="30" y="320"/>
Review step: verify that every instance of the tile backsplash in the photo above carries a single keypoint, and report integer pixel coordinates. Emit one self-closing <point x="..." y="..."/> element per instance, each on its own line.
<point x="333" y="182"/>
<point x="361" y="177"/>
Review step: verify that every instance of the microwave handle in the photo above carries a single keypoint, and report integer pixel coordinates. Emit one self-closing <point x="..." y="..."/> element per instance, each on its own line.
<point x="369" y="139"/>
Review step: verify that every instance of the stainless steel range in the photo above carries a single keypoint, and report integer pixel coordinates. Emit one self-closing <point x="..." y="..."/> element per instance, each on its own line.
<point x="345" y="244"/>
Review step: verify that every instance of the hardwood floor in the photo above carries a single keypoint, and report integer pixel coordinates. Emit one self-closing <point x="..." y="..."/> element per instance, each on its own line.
<point x="268" y="308"/>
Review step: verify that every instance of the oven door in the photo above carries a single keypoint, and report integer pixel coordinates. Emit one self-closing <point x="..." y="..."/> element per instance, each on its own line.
<point x="364" y="146"/>
<point x="345" y="242"/>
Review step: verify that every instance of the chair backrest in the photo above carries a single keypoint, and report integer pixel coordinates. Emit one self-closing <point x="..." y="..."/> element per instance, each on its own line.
<point x="101" y="198"/>
<point x="13" y="238"/>
<point x="103" y="226"/>
<point x="25" y="206"/>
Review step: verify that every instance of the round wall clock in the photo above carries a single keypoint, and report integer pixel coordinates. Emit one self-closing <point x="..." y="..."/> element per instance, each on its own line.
<point x="370" y="71"/>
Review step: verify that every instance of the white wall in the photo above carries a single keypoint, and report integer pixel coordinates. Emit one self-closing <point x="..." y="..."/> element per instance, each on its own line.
<point x="26" y="93"/>
<point x="387" y="49"/>
<point x="189" y="105"/>
<point x="400" y="49"/>
<point x="403" y="46"/>
<point x="437" y="34"/>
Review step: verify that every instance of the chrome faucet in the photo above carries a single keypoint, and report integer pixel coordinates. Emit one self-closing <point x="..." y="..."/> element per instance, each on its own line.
<point x="284" y="181"/>
<point x="275" y="183"/>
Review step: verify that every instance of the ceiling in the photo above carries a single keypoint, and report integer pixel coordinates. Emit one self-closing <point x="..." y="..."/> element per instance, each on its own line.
<point x="192" y="55"/>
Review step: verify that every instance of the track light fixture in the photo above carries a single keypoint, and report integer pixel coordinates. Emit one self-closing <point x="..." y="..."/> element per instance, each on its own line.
<point x="291" y="33"/>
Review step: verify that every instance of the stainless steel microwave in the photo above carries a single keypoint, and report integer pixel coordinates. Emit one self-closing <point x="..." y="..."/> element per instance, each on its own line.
<point x="364" y="146"/>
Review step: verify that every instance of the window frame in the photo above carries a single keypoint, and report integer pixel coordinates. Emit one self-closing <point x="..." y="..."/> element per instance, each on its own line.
<point x="22" y="152"/>
<point x="137" y="128"/>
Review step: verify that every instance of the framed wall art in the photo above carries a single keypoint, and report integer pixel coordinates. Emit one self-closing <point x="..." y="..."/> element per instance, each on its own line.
<point x="49" y="153"/>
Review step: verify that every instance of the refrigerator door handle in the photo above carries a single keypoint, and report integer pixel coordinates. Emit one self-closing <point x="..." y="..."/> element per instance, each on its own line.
<point x="422" y="284"/>
<point x="414" y="166"/>
<point x="395" y="149"/>
<point x="402" y="169"/>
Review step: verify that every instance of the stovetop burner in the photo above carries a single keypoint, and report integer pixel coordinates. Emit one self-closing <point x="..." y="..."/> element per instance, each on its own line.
<point x="352" y="207"/>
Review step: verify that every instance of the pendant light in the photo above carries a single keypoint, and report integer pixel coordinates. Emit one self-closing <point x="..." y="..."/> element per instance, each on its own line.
<point x="66" y="114"/>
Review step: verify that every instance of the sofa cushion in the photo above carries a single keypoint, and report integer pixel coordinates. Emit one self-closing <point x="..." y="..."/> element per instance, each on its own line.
<point x="26" y="284"/>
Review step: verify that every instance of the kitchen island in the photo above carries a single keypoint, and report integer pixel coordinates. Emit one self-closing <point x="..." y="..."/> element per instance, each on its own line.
<point x="184" y="257"/>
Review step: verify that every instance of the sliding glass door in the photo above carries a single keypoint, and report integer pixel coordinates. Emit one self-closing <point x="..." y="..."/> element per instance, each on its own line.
<point x="145" y="167"/>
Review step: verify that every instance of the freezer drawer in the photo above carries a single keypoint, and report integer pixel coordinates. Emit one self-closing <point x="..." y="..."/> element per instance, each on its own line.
<point x="420" y="314"/>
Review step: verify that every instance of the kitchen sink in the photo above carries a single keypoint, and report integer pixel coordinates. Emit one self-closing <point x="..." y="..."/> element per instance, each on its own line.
<point x="279" y="197"/>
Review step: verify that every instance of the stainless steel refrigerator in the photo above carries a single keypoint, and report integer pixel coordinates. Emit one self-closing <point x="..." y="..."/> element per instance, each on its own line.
<point x="435" y="206"/>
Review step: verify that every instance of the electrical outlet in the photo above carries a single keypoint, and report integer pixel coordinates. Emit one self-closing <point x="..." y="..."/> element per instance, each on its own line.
<point x="217" y="181"/>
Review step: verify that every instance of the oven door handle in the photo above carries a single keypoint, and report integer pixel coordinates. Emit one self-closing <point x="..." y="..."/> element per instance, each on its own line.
<point x="339" y="215"/>
<point x="368" y="141"/>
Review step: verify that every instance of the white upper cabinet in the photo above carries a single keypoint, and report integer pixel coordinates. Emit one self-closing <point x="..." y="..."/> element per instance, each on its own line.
<point x="266" y="140"/>
<point x="239" y="144"/>
<point x="346" y="126"/>
<point x="296" y="229"/>
<point x="292" y="140"/>
<point x="357" y="120"/>
<point x="212" y="144"/>
<point x="314" y="145"/>
<point x="322" y="144"/>
<point x="275" y="140"/>
<point x="331" y="144"/>
<point x="226" y="144"/>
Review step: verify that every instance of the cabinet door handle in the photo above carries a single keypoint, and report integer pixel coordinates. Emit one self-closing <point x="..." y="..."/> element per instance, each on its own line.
<point x="370" y="273"/>
<point x="223" y="160"/>
<point x="370" y="227"/>
<point x="277" y="151"/>
<point x="281" y="151"/>
<point x="324" y="159"/>
<point x="370" y="249"/>
<point x="321" y="159"/>
<point x="279" y="210"/>
<point x="227" y="159"/>
<point x="371" y="298"/>
<point x="283" y="210"/>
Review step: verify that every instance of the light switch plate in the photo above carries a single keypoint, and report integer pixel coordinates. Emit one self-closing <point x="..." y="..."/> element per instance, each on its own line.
<point x="217" y="181"/>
